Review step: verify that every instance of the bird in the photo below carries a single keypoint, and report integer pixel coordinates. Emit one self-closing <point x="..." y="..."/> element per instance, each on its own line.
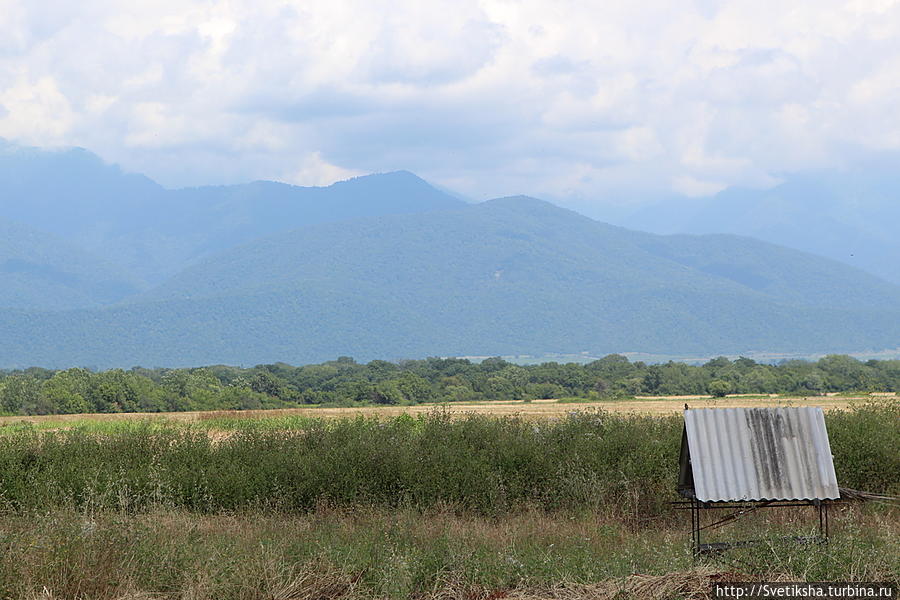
<point x="685" y="406"/>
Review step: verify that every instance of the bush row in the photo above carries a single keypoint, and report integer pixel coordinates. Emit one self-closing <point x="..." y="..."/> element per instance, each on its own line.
<point x="343" y="381"/>
<point x="625" y="465"/>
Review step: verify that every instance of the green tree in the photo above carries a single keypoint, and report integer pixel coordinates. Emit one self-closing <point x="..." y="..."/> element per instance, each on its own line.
<point x="719" y="388"/>
<point x="67" y="391"/>
<point x="414" y="388"/>
<point x="118" y="391"/>
<point x="21" y="394"/>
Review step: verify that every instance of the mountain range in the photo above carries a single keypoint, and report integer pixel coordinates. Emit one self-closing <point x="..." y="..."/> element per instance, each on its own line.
<point x="154" y="232"/>
<point x="43" y="271"/>
<point x="105" y="268"/>
<point x="851" y="215"/>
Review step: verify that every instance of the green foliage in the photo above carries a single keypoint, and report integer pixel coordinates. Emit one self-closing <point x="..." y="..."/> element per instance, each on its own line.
<point x="484" y="464"/>
<point x="346" y="382"/>
<point x="718" y="388"/>
<point x="397" y="555"/>
<point x="623" y="466"/>
<point x="866" y="446"/>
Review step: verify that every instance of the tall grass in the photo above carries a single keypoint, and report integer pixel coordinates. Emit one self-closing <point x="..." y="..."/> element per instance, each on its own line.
<point x="865" y="442"/>
<point x="618" y="465"/>
<point x="486" y="464"/>
<point x="377" y="553"/>
<point x="428" y="507"/>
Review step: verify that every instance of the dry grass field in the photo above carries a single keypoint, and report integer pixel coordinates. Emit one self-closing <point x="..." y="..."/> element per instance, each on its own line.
<point x="536" y="409"/>
<point x="459" y="503"/>
<point x="397" y="555"/>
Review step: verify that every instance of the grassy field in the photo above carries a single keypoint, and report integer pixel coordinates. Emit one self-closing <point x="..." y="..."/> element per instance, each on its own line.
<point x="437" y="554"/>
<point x="434" y="505"/>
<point x="535" y="409"/>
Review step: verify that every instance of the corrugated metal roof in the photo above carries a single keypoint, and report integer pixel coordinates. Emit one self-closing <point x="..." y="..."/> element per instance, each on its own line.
<point x="759" y="454"/>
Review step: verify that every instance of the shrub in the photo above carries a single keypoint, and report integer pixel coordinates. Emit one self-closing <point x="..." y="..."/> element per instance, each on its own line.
<point x="619" y="464"/>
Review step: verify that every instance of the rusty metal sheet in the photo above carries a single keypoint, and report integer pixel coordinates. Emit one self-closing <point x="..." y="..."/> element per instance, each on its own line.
<point x="760" y="454"/>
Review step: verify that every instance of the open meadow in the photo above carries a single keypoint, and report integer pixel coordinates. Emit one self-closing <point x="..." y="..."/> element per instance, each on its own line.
<point x="430" y="505"/>
<point x="531" y="409"/>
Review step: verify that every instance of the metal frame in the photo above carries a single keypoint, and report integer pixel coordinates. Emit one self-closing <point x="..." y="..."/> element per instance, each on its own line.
<point x="744" y="508"/>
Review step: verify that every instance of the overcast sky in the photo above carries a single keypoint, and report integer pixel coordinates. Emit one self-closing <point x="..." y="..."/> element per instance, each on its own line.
<point x="551" y="98"/>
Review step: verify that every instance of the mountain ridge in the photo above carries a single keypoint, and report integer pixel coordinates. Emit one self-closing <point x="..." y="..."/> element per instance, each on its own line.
<point x="846" y="216"/>
<point x="154" y="232"/>
<point x="514" y="276"/>
<point x="387" y="266"/>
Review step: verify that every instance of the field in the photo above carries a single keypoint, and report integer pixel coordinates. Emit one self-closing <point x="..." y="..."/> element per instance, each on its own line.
<point x="534" y="409"/>
<point x="378" y="553"/>
<point x="432" y="505"/>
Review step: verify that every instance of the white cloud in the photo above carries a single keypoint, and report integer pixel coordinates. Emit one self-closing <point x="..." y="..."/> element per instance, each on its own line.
<point x="316" y="171"/>
<point x="36" y="111"/>
<point x="554" y="98"/>
<point x="690" y="186"/>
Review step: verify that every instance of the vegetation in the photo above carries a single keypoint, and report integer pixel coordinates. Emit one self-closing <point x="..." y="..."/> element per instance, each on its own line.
<point x="622" y="466"/>
<point x="428" y="507"/>
<point x="169" y="554"/>
<point x="345" y="382"/>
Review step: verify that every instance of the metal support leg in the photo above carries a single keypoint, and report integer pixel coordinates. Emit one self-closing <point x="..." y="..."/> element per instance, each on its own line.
<point x="698" y="529"/>
<point x="821" y="519"/>
<point x="695" y="528"/>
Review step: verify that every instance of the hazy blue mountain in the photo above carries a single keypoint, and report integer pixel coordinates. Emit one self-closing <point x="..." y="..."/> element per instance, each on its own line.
<point x="155" y="232"/>
<point x="388" y="266"/>
<point x="40" y="271"/>
<point x="790" y="276"/>
<point x="244" y="212"/>
<point x="850" y="216"/>
<point x="509" y="276"/>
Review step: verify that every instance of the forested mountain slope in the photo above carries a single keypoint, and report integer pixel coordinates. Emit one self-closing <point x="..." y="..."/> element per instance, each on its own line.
<point x="154" y="232"/>
<point x="509" y="276"/>
<point x="41" y="271"/>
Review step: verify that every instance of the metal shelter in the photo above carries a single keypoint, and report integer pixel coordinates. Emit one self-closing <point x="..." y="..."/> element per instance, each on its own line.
<point x="751" y="458"/>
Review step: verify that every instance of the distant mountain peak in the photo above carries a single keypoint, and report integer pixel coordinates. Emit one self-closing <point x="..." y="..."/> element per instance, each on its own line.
<point x="518" y="201"/>
<point x="390" y="177"/>
<point x="402" y="173"/>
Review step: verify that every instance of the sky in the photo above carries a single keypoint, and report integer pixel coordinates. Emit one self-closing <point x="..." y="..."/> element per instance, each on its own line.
<point x="585" y="101"/>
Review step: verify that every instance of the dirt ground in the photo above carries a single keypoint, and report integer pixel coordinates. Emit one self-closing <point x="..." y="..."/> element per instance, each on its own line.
<point x="537" y="409"/>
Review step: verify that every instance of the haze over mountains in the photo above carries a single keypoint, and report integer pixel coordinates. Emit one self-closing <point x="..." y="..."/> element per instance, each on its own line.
<point x="43" y="271"/>
<point x="852" y="216"/>
<point x="155" y="232"/>
<point x="104" y="268"/>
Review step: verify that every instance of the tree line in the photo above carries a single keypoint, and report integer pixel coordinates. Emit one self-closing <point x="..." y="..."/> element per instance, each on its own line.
<point x="346" y="382"/>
